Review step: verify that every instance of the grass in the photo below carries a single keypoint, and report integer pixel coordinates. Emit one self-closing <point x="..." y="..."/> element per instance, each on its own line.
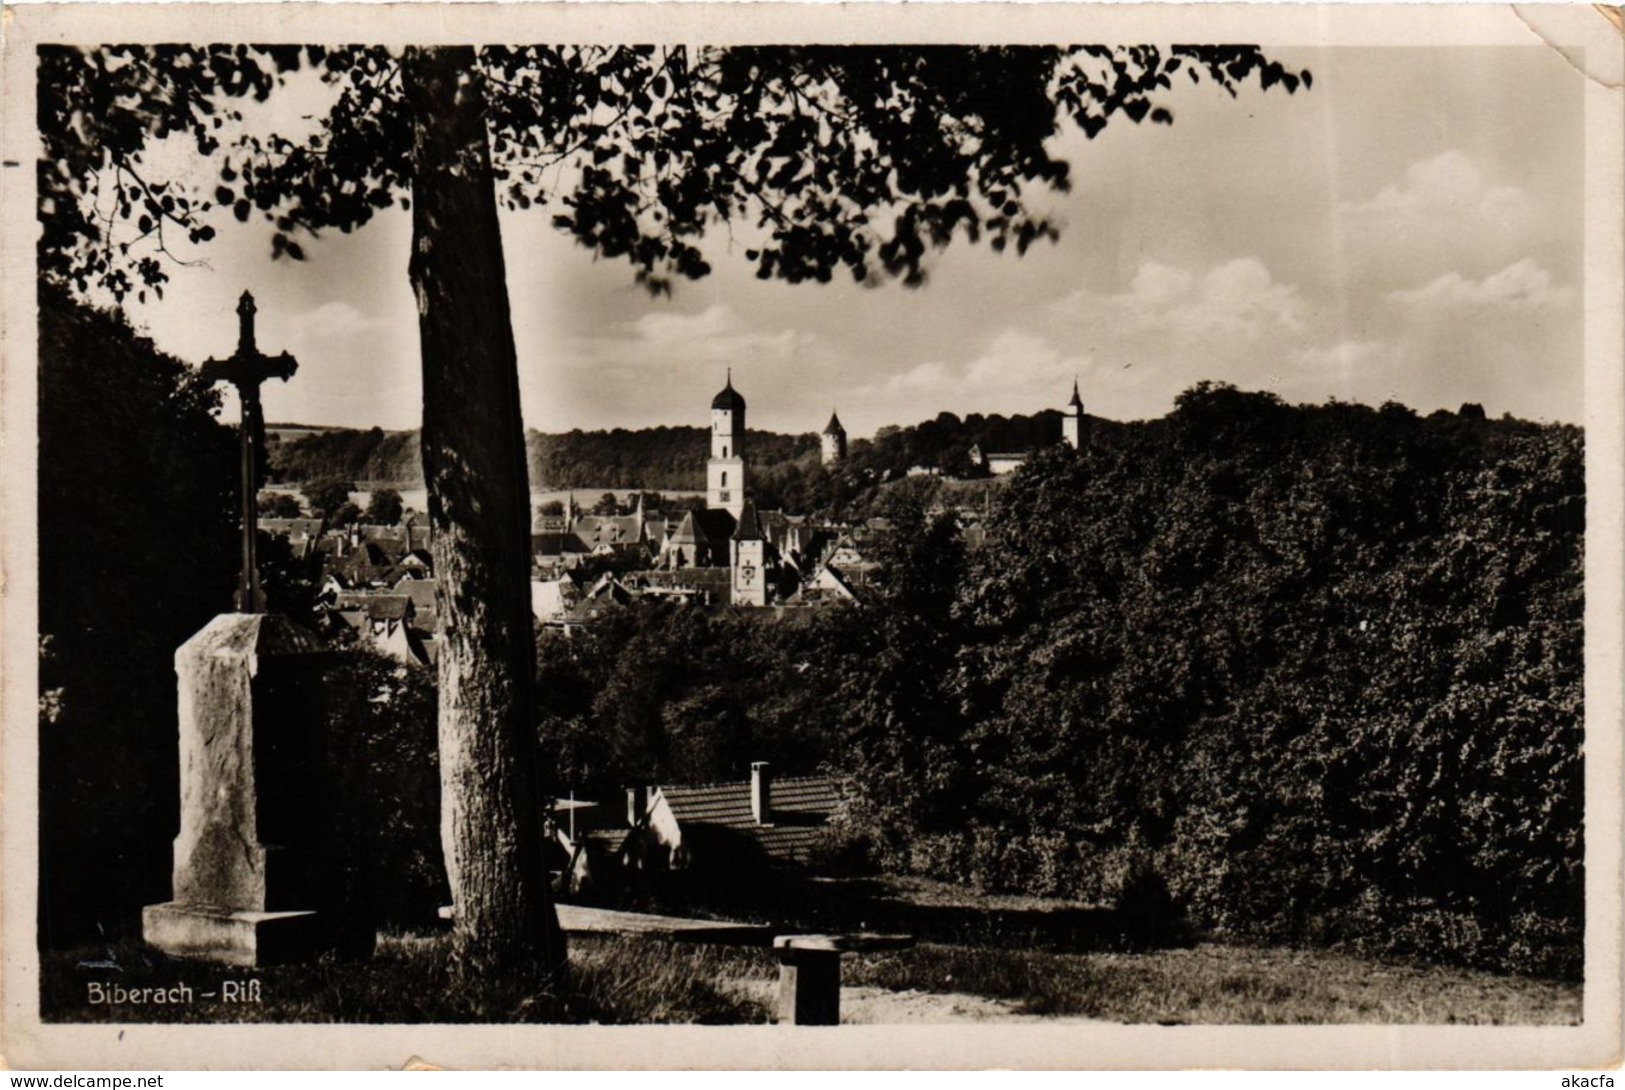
<point x="643" y="981"/>
<point x="1225" y="985"/>
<point x="406" y="981"/>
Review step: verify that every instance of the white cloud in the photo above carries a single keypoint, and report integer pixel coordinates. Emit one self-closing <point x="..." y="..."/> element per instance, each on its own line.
<point x="332" y="319"/>
<point x="1451" y="184"/>
<point x="1018" y="371"/>
<point x="1347" y="357"/>
<point x="1446" y="213"/>
<point x="716" y="336"/>
<point x="1521" y="286"/>
<point x="1236" y="299"/>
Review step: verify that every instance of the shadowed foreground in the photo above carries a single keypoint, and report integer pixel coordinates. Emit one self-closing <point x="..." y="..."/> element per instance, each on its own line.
<point x="625" y="981"/>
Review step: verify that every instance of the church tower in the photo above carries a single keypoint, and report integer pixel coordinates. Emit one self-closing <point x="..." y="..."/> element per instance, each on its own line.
<point x="833" y="441"/>
<point x="749" y="560"/>
<point x="725" y="472"/>
<point x="1072" y="420"/>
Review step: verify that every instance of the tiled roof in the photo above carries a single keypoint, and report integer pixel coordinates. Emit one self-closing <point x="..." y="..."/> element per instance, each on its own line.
<point x="718" y="582"/>
<point x="799" y="808"/>
<point x="550" y="544"/>
<point x="607" y="529"/>
<point x="393" y="538"/>
<point x="688" y="531"/>
<point x="421" y="591"/>
<point x="379" y="607"/>
<point x="609" y="840"/>
<point x="297" y="527"/>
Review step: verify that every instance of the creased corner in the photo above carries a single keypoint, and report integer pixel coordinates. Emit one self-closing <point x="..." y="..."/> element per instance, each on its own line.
<point x="1573" y="32"/>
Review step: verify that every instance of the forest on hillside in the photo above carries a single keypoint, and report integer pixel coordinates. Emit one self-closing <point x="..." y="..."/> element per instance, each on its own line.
<point x="784" y="471"/>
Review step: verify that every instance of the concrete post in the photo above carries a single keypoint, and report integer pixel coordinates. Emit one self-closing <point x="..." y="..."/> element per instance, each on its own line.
<point x="809" y="987"/>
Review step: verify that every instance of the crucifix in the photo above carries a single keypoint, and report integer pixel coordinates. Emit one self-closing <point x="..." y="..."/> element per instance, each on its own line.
<point x="246" y="369"/>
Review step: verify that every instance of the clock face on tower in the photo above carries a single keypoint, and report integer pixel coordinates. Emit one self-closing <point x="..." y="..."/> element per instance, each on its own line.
<point x="747" y="574"/>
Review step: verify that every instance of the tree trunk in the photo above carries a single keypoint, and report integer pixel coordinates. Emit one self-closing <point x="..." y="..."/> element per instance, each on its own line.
<point x="479" y="505"/>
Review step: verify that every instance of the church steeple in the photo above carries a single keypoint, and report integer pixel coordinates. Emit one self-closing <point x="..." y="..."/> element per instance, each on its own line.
<point x="1072" y="419"/>
<point x="725" y="472"/>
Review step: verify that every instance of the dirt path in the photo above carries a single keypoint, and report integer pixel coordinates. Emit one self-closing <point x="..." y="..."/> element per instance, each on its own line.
<point x="866" y="1006"/>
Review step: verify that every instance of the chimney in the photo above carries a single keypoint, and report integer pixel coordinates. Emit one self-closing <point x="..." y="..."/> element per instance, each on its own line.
<point x="634" y="805"/>
<point x="761" y="793"/>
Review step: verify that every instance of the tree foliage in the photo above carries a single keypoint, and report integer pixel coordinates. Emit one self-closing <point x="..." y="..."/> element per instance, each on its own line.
<point x="328" y="495"/>
<point x="137" y="533"/>
<point x="855" y="159"/>
<point x="1320" y="667"/>
<point x="383" y="508"/>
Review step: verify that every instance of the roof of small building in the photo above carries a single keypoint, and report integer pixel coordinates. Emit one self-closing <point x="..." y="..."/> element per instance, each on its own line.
<point x="608" y="529"/>
<point x="377" y="607"/>
<point x="556" y="544"/>
<point x="688" y="531"/>
<point x="420" y="591"/>
<point x="607" y="840"/>
<point x="390" y="536"/>
<point x="799" y="806"/>
<point x="295" y="527"/>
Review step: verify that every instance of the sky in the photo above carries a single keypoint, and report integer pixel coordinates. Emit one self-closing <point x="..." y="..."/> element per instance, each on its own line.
<point x="1410" y="229"/>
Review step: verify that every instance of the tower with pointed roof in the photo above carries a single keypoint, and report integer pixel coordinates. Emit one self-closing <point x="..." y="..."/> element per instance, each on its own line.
<point x="833" y="441"/>
<point x="749" y="556"/>
<point x="725" y="472"/>
<point x="1072" y="420"/>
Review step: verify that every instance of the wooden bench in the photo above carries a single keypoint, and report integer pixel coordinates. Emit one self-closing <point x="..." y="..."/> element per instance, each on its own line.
<point x="809" y="965"/>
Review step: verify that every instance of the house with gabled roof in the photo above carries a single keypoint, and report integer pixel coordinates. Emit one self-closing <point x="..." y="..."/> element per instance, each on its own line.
<point x="302" y="533"/>
<point x="762" y="820"/>
<point x="827" y="584"/>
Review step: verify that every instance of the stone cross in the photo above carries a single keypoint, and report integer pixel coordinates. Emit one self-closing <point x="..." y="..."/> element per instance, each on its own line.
<point x="246" y="369"/>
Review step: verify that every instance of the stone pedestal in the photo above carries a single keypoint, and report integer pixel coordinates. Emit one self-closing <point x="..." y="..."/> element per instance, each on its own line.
<point x="810" y="973"/>
<point x="253" y="881"/>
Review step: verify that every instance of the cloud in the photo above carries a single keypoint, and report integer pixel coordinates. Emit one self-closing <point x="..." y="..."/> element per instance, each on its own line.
<point x="663" y="365"/>
<point x="335" y="318"/>
<point x="1522" y="286"/>
<point x="1346" y="357"/>
<point x="1451" y="184"/>
<point x="1017" y="371"/>
<point x="1446" y="213"/>
<point x="1237" y="299"/>
<point x="716" y="336"/>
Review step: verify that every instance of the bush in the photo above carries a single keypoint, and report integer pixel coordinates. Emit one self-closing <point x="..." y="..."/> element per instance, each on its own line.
<point x="1321" y="665"/>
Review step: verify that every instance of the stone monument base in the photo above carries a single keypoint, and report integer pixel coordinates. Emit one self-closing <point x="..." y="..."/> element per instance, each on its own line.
<point x="248" y="939"/>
